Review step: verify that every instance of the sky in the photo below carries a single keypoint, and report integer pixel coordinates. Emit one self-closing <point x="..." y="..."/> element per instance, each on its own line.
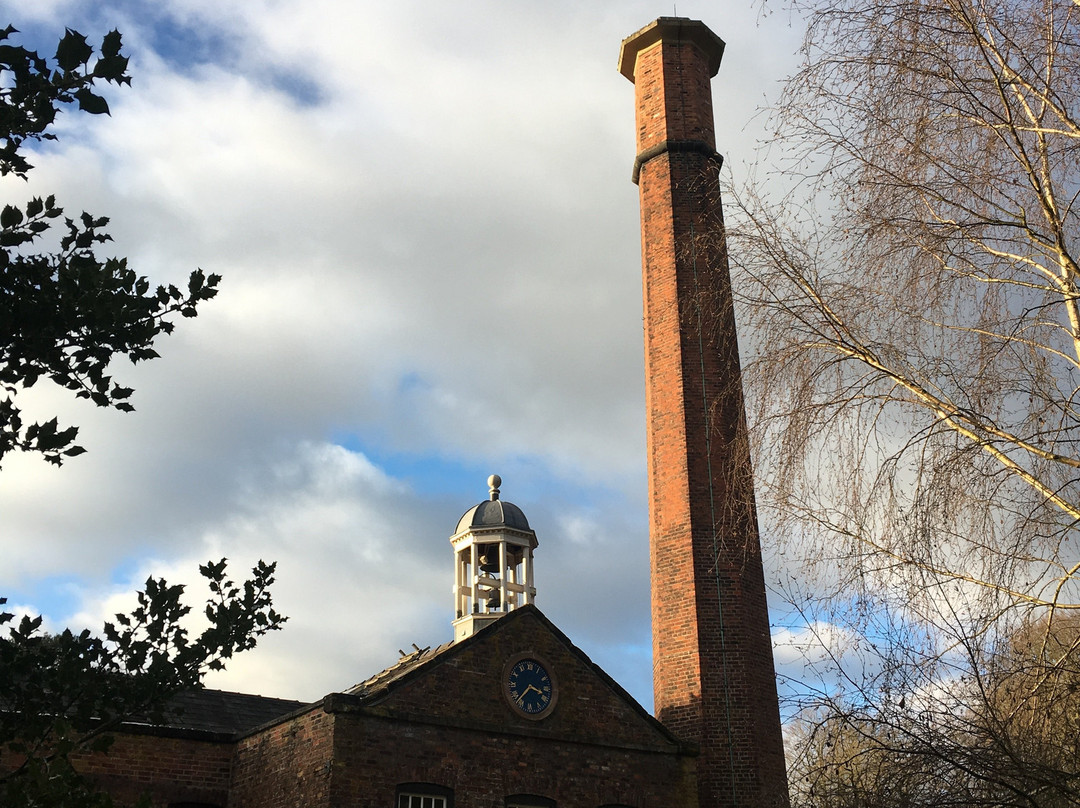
<point x="428" y="236"/>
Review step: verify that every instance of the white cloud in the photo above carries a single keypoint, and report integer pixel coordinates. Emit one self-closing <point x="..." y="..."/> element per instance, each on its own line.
<point x="812" y="644"/>
<point x="363" y="570"/>
<point x="429" y="242"/>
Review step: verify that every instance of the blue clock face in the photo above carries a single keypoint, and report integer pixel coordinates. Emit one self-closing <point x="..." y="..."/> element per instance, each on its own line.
<point x="530" y="687"/>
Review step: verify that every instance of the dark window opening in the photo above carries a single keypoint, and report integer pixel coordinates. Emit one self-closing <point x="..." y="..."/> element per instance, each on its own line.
<point x="529" y="801"/>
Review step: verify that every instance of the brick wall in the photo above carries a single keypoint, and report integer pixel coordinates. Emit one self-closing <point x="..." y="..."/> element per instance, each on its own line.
<point x="169" y="769"/>
<point x="287" y="764"/>
<point x="374" y="754"/>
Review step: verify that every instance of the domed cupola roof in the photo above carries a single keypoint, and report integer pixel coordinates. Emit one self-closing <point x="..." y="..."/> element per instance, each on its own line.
<point x="493" y="512"/>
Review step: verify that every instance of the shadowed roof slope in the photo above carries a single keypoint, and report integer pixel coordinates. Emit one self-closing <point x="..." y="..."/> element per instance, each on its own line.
<point x="217" y="712"/>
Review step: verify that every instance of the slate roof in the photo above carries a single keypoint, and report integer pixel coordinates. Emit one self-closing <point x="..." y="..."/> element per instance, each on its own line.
<point x="405" y="665"/>
<point x="218" y="713"/>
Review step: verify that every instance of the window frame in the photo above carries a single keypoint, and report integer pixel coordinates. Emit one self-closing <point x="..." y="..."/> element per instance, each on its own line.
<point x="421" y="790"/>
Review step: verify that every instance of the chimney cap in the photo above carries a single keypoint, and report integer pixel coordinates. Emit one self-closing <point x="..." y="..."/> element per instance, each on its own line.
<point x="671" y="29"/>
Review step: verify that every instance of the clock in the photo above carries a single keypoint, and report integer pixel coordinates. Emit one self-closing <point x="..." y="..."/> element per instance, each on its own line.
<point x="529" y="686"/>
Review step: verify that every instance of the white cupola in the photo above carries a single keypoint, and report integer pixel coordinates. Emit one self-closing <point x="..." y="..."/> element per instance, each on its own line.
<point x="493" y="562"/>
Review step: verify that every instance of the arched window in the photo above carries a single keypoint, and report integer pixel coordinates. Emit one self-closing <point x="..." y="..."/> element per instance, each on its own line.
<point x="529" y="801"/>
<point x="424" y="795"/>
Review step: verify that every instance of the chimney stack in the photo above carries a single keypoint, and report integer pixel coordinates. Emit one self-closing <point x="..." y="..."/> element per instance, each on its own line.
<point x="713" y="676"/>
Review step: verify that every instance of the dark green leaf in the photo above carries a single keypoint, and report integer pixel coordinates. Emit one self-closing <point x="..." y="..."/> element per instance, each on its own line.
<point x="110" y="45"/>
<point x="72" y="51"/>
<point x="11" y="216"/>
<point x="89" y="102"/>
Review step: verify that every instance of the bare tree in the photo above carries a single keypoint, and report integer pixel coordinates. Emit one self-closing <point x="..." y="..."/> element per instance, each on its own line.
<point x="909" y="277"/>
<point x="1004" y="732"/>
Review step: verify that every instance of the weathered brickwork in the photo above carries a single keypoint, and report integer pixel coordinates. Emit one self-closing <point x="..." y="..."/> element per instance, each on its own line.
<point x="714" y="679"/>
<point x="374" y="755"/>
<point x="169" y="770"/>
<point x="286" y="764"/>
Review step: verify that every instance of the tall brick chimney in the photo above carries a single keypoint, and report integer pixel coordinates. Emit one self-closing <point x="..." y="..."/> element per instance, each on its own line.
<point x="713" y="675"/>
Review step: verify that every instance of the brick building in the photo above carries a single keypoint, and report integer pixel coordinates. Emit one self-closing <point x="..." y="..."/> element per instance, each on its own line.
<point x="510" y="712"/>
